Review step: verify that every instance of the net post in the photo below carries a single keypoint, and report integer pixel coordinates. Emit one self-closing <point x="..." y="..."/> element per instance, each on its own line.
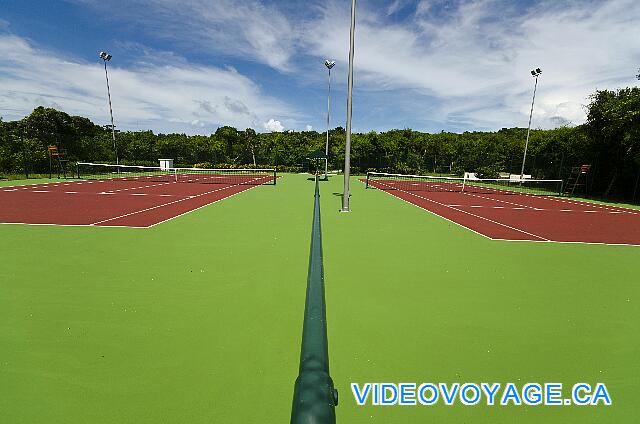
<point x="367" y="183"/>
<point x="275" y="176"/>
<point x="464" y="181"/>
<point x="78" y="169"/>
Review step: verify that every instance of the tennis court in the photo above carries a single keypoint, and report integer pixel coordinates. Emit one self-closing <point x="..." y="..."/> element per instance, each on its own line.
<point x="503" y="209"/>
<point x="199" y="320"/>
<point x="125" y="196"/>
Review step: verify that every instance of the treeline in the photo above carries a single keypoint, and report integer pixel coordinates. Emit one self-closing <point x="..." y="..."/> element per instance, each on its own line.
<point x="609" y="141"/>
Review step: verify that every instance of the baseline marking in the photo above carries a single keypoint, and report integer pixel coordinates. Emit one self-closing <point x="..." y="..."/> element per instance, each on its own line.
<point x="471" y="214"/>
<point x="167" y="204"/>
<point x="613" y="209"/>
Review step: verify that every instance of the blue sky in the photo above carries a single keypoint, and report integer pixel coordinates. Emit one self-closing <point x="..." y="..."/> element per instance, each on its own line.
<point x="193" y="65"/>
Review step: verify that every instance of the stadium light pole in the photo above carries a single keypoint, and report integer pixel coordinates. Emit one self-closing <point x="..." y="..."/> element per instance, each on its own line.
<point x="347" y="147"/>
<point x="534" y="73"/>
<point x="329" y="64"/>
<point x="106" y="57"/>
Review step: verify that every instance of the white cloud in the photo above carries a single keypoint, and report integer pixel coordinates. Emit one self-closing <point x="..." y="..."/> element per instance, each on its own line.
<point x="309" y="128"/>
<point x="180" y="97"/>
<point x="249" y="29"/>
<point x="273" y="126"/>
<point x="470" y="64"/>
<point x="396" y="6"/>
<point x="434" y="63"/>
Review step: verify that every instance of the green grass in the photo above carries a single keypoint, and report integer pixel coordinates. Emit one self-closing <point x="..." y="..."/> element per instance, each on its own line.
<point x="199" y="319"/>
<point x="11" y="182"/>
<point x="14" y="177"/>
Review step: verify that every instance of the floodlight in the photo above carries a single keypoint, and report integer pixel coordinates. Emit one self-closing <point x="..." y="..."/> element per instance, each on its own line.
<point x="535" y="73"/>
<point x="329" y="64"/>
<point x="107" y="57"/>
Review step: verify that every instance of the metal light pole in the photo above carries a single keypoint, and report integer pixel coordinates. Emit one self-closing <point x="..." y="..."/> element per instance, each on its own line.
<point x="535" y="73"/>
<point x="107" y="57"/>
<point x="347" y="147"/>
<point x="329" y="64"/>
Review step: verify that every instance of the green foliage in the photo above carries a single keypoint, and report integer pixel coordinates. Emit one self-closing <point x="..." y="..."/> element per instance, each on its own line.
<point x="613" y="123"/>
<point x="609" y="141"/>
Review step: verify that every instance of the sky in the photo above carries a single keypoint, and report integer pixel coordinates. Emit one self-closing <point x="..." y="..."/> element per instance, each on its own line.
<point x="191" y="66"/>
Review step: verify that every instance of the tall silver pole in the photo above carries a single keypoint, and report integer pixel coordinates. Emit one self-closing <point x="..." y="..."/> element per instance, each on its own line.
<point x="526" y="144"/>
<point x="326" y="152"/>
<point x="347" y="147"/>
<point x="113" y="128"/>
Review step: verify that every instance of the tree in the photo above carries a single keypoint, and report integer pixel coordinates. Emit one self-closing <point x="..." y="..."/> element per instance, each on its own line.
<point x="252" y="141"/>
<point x="613" y="120"/>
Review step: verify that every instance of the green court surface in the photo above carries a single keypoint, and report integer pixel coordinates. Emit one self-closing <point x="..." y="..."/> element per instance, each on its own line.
<point x="198" y="320"/>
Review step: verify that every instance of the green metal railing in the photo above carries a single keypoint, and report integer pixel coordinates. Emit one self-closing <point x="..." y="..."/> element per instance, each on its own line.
<point x="314" y="397"/>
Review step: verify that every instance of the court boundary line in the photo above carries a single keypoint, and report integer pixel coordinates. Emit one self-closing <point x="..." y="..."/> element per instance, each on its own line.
<point x="170" y="203"/>
<point x="203" y="206"/>
<point x="146" y="226"/>
<point x="474" y="215"/>
<point x="439" y="216"/>
<point x="69" y="225"/>
<point x="612" y="209"/>
<point x="591" y="243"/>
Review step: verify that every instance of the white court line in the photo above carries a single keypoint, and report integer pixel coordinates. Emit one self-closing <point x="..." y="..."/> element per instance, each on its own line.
<point x="535" y="209"/>
<point x="511" y="240"/>
<point x="141" y="227"/>
<point x="590" y="204"/>
<point x="203" y="206"/>
<point x="137" y="188"/>
<point x="67" y="225"/>
<point x="171" y="203"/>
<point x="498" y="200"/>
<point x="110" y="193"/>
<point x="471" y="214"/>
<point x="586" y="204"/>
<point x="596" y="243"/>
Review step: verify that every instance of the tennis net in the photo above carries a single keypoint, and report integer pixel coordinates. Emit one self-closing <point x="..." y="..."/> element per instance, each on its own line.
<point x="385" y="181"/>
<point x="101" y="171"/>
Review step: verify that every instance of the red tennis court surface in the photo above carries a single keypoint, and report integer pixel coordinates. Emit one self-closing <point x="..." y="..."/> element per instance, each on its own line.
<point x="527" y="217"/>
<point x="113" y="203"/>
